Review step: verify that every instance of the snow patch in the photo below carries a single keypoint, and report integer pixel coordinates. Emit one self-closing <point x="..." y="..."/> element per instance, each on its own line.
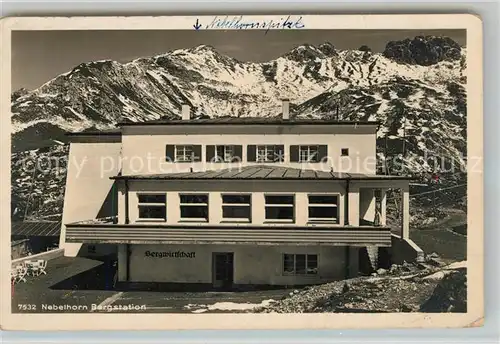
<point x="155" y="75"/>
<point x="437" y="276"/>
<point x="232" y="306"/>
<point x="227" y="306"/>
<point x="457" y="265"/>
<point x="201" y="310"/>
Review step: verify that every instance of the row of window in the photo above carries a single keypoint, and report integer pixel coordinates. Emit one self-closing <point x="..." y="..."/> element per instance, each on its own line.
<point x="255" y="153"/>
<point x="238" y="207"/>
<point x="300" y="264"/>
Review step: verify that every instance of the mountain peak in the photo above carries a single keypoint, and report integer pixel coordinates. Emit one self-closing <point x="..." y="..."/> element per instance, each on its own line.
<point x="423" y="50"/>
<point x="304" y="52"/>
<point x="96" y="63"/>
<point x="85" y="67"/>
<point x="203" y="48"/>
<point x="328" y="49"/>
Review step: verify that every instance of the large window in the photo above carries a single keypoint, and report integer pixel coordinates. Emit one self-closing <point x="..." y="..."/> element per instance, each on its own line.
<point x="269" y="153"/>
<point x="183" y="153"/>
<point x="266" y="153"/>
<point x="152" y="207"/>
<point x="224" y="153"/>
<point x="194" y="207"/>
<point x="300" y="264"/>
<point x="308" y="154"/>
<point x="280" y="208"/>
<point x="236" y="207"/>
<point x="323" y="208"/>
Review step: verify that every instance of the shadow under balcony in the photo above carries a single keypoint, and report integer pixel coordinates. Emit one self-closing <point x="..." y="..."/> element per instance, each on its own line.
<point x="102" y="232"/>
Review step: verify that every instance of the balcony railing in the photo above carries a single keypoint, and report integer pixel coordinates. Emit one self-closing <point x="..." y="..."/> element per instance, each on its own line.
<point x="96" y="233"/>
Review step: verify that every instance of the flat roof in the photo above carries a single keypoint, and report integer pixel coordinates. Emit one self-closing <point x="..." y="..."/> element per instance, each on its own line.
<point x="247" y="120"/>
<point x="261" y="172"/>
<point x="221" y="121"/>
<point x="36" y="228"/>
<point x="111" y="132"/>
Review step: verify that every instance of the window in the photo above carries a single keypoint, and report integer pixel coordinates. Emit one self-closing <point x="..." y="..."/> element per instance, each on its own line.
<point x="236" y="207"/>
<point x="323" y="208"/>
<point x="344" y="152"/>
<point x="265" y="153"/>
<point x="152" y="207"/>
<point x="311" y="153"/>
<point x="224" y="153"/>
<point x="183" y="153"/>
<point x="270" y="154"/>
<point x="308" y="154"/>
<point x="280" y="207"/>
<point x="194" y="207"/>
<point x="300" y="264"/>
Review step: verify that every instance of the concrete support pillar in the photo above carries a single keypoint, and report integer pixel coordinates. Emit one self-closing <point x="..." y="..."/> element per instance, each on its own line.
<point x="215" y="207"/>
<point x="301" y="204"/>
<point x="174" y="207"/>
<point x="258" y="212"/>
<point x="122" y="262"/>
<point x="121" y="201"/>
<point x="353" y="202"/>
<point x="405" y="212"/>
<point x="383" y="207"/>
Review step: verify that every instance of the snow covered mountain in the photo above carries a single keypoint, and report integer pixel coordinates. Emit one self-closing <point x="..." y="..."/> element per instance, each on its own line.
<point x="98" y="94"/>
<point x="415" y="88"/>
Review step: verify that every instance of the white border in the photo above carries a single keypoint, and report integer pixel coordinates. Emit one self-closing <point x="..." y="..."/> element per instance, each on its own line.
<point x="474" y="316"/>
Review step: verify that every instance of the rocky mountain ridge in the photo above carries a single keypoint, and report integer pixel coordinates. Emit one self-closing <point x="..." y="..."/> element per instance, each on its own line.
<point x="415" y="88"/>
<point x="98" y="94"/>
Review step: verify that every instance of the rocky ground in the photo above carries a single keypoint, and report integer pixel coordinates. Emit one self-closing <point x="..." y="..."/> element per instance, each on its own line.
<point x="425" y="287"/>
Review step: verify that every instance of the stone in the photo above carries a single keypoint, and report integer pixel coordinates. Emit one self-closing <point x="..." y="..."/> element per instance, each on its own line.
<point x="405" y="308"/>
<point x="394" y="268"/>
<point x="381" y="271"/>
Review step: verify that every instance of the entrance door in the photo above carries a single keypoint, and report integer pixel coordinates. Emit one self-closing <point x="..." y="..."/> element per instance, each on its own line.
<point x="222" y="270"/>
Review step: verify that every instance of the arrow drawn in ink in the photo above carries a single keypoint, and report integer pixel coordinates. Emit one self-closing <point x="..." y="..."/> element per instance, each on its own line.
<point x="197" y="25"/>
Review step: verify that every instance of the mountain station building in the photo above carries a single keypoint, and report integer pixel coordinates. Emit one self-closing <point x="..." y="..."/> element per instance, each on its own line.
<point x="229" y="202"/>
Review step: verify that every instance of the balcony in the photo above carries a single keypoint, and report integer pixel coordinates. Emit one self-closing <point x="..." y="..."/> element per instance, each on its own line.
<point x="109" y="233"/>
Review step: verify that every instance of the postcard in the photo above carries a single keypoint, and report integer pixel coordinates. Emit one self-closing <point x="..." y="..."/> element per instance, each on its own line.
<point x="242" y="172"/>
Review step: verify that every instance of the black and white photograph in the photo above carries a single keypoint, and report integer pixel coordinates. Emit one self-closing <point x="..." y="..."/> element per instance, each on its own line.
<point x="243" y="166"/>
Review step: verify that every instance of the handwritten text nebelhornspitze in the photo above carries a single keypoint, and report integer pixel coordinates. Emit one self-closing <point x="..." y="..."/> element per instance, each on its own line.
<point x="240" y="24"/>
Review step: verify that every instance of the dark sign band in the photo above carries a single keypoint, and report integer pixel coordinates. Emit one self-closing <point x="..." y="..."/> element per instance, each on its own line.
<point x="177" y="254"/>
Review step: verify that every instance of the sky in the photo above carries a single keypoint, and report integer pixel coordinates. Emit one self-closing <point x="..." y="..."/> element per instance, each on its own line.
<point x="38" y="56"/>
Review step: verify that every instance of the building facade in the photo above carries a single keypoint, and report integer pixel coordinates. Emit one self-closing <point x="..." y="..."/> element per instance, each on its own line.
<point x="230" y="202"/>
